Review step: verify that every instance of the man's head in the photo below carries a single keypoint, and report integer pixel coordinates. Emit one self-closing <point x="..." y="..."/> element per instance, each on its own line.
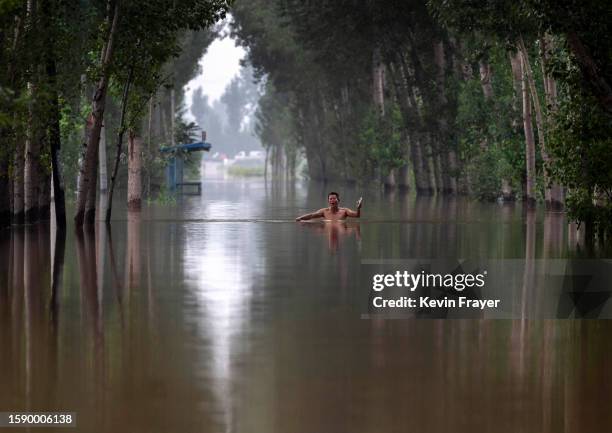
<point x="333" y="198"/>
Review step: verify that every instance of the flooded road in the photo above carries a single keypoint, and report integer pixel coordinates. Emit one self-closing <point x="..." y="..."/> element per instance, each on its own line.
<point x="221" y="314"/>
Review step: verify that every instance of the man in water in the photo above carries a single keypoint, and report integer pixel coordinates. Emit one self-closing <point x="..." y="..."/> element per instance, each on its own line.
<point x="333" y="212"/>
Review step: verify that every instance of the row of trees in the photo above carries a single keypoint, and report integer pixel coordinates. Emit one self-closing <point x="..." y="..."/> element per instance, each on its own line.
<point x="71" y="69"/>
<point x="499" y="98"/>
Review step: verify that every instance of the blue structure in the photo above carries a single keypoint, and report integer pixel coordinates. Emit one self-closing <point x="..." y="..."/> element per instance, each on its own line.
<point x="174" y="170"/>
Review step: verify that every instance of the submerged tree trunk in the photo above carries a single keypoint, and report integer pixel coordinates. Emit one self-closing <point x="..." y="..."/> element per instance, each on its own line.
<point x="124" y="99"/>
<point x="445" y="148"/>
<point x="539" y="116"/>
<point x="419" y="152"/>
<point x="59" y="197"/>
<point x="403" y="182"/>
<point x="88" y="166"/>
<point x="92" y="194"/>
<point x="16" y="183"/>
<point x="422" y="175"/>
<point x="53" y="138"/>
<point x="5" y="202"/>
<point x="378" y="96"/>
<point x="18" y="191"/>
<point x="149" y="147"/>
<point x="378" y="81"/>
<point x="437" y="170"/>
<point x="44" y="194"/>
<point x="31" y="181"/>
<point x="172" y="118"/>
<point x="266" y="163"/>
<point x="102" y="161"/>
<point x="557" y="191"/>
<point x="134" y="201"/>
<point x="530" y="197"/>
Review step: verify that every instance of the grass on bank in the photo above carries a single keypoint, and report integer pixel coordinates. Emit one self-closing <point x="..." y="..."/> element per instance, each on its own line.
<point x="245" y="171"/>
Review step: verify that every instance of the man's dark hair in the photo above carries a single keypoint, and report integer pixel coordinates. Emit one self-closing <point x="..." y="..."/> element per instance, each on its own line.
<point x="334" y="193"/>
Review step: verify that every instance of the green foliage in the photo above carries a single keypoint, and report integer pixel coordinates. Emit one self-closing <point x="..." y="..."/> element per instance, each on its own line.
<point x="491" y="140"/>
<point x="164" y="197"/>
<point x="486" y="171"/>
<point x="582" y="147"/>
<point x="381" y="142"/>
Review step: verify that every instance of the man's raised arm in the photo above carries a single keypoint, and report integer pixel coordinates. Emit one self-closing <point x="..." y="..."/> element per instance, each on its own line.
<point x="357" y="213"/>
<point x="309" y="216"/>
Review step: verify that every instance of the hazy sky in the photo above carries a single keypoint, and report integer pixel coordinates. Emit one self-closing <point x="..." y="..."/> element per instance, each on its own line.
<point x="219" y="65"/>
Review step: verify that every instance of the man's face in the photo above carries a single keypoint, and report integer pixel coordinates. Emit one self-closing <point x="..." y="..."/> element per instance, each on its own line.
<point x="332" y="199"/>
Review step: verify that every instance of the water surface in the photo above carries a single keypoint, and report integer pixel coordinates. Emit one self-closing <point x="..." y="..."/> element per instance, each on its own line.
<point x="222" y="314"/>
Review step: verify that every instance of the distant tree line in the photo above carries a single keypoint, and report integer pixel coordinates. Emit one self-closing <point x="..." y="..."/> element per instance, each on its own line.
<point x="71" y="70"/>
<point x="500" y="99"/>
<point x="228" y="121"/>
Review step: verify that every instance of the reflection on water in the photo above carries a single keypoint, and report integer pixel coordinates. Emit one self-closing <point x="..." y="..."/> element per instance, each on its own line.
<point x="166" y="321"/>
<point x="334" y="231"/>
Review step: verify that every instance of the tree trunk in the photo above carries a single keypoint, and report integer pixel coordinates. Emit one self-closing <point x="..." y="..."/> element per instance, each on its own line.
<point x="124" y="100"/>
<point x="515" y="65"/>
<point x="44" y="197"/>
<point x="92" y="193"/>
<point x="390" y="180"/>
<point x="517" y="80"/>
<point x="486" y="74"/>
<point x="445" y="151"/>
<point x="378" y="81"/>
<point x="149" y="147"/>
<point x="403" y="182"/>
<point x="485" y="78"/>
<point x="56" y="169"/>
<point x="31" y="181"/>
<point x="437" y="171"/>
<point x="102" y="161"/>
<point x="557" y="191"/>
<point x="164" y="124"/>
<point x="88" y="169"/>
<point x="266" y="163"/>
<point x="5" y="202"/>
<point x="18" y="187"/>
<point x="15" y="184"/>
<point x="172" y="118"/>
<point x="53" y="125"/>
<point x="550" y="85"/>
<point x="539" y="117"/>
<point x="409" y="116"/>
<point x="134" y="202"/>
<point x="378" y="97"/>
<point x="133" y="253"/>
<point x="422" y="175"/>
<point x="530" y="197"/>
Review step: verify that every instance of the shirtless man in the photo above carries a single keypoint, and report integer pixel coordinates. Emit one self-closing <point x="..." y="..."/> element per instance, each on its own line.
<point x="333" y="212"/>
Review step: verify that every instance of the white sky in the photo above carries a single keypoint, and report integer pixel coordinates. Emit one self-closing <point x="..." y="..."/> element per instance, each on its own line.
<point x="219" y="65"/>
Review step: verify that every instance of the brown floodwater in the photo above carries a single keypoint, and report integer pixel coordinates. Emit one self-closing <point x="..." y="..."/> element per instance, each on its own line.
<point x="219" y="313"/>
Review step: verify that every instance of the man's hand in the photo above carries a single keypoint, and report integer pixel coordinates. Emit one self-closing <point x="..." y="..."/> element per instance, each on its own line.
<point x="359" y="202"/>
